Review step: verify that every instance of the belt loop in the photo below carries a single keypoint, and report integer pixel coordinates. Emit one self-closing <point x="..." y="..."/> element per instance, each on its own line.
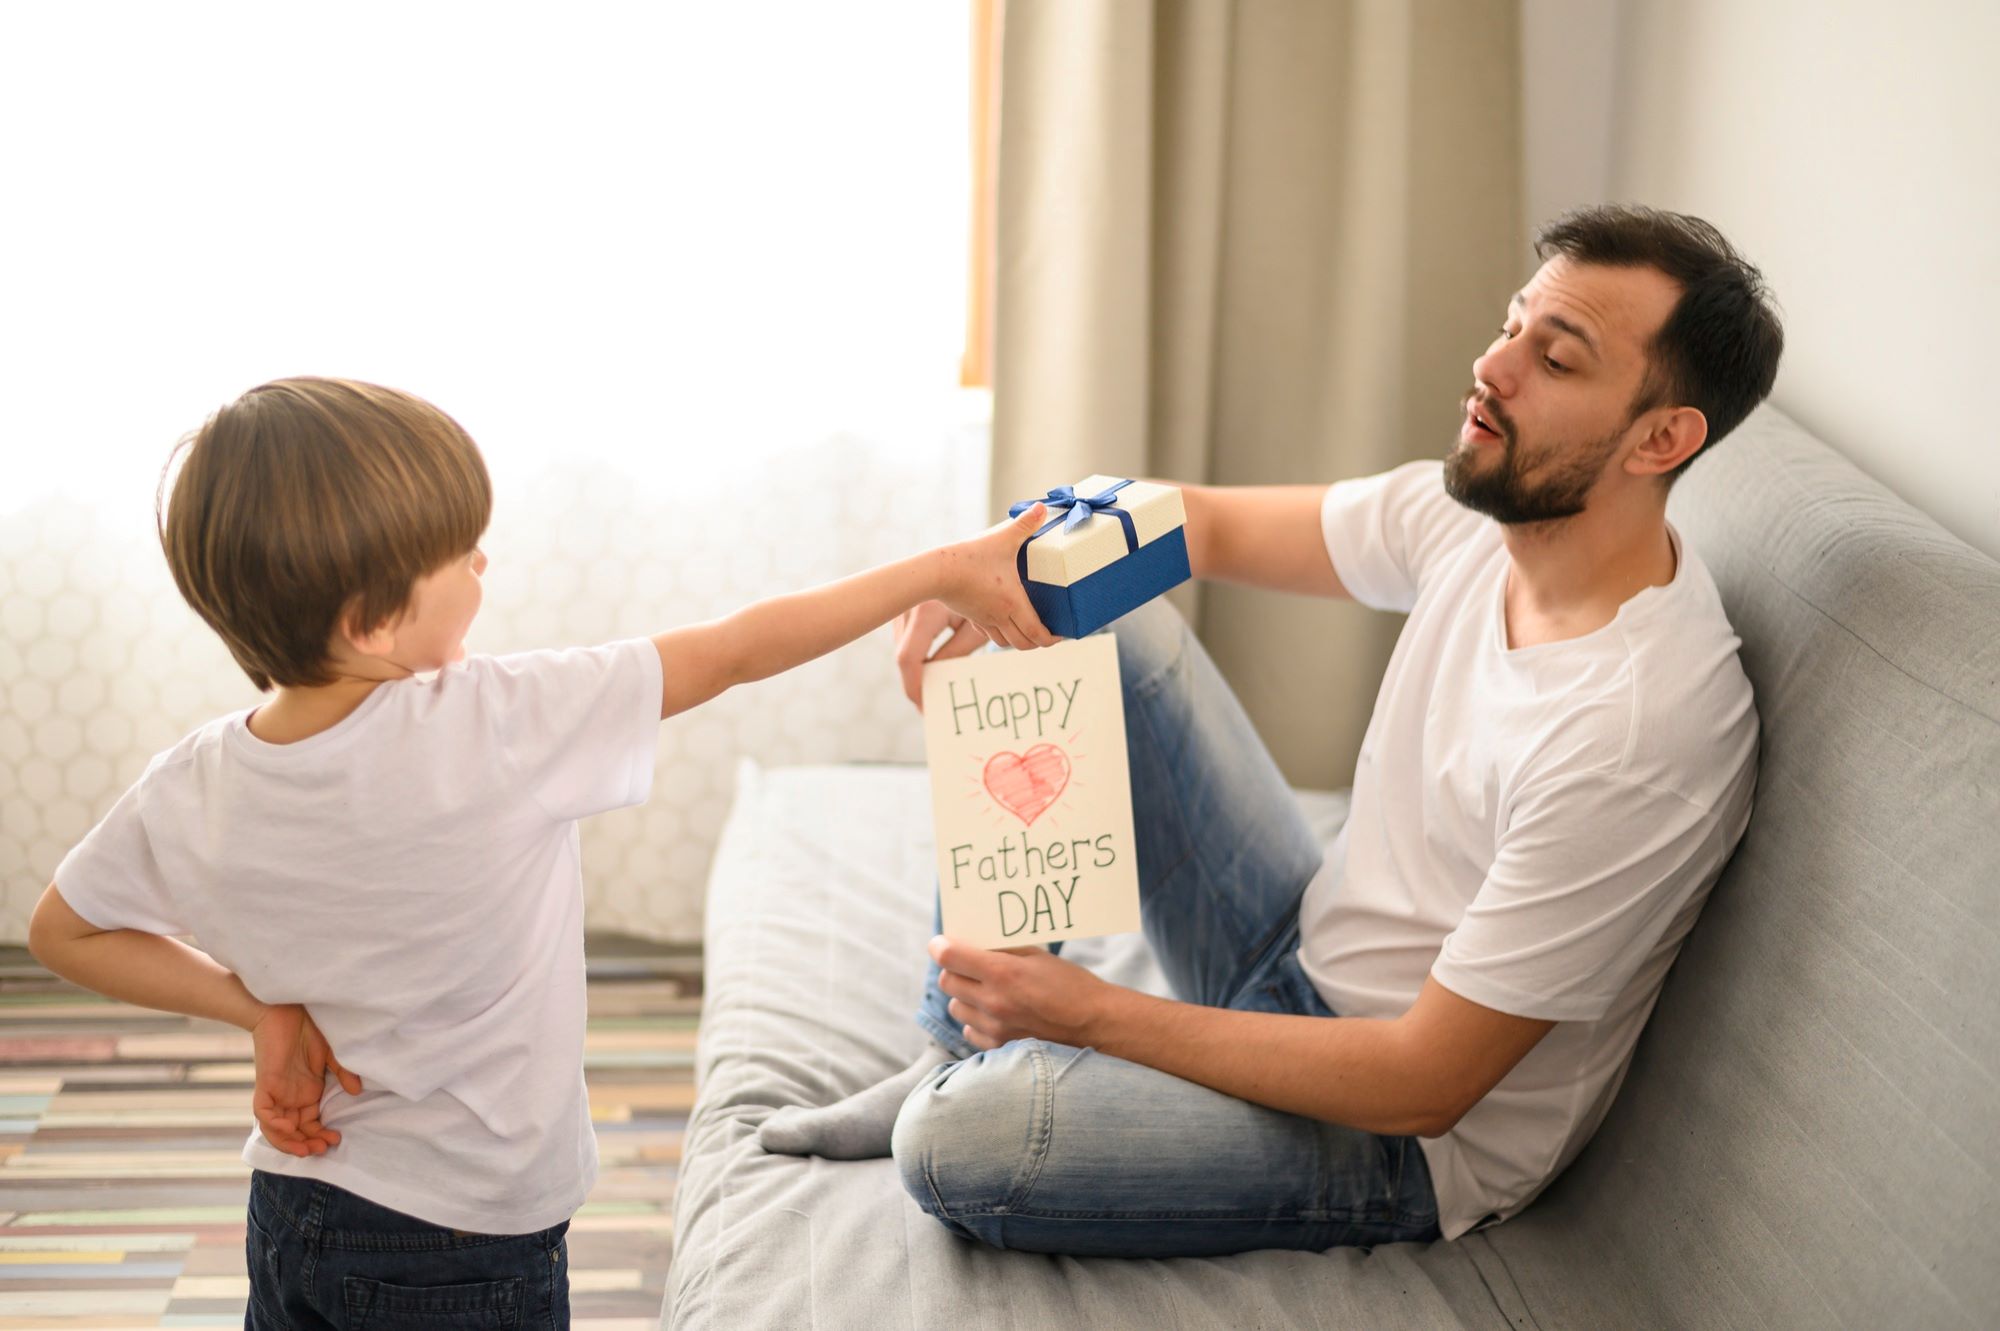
<point x="316" y="1210"/>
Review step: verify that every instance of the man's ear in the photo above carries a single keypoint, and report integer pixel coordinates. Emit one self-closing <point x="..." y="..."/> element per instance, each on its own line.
<point x="1672" y="436"/>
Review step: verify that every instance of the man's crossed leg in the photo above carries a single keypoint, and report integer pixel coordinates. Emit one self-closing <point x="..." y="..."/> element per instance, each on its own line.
<point x="1050" y="1148"/>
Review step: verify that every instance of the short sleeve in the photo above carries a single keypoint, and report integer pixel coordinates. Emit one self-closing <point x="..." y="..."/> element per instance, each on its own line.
<point x="1589" y="874"/>
<point x="112" y="877"/>
<point x="580" y="726"/>
<point x="1385" y="532"/>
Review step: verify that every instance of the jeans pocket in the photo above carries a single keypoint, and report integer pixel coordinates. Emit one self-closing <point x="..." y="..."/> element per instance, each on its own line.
<point x="265" y="1267"/>
<point x="489" y="1305"/>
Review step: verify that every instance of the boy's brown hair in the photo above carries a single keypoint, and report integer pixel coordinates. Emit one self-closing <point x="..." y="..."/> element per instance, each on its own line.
<point x="308" y="500"/>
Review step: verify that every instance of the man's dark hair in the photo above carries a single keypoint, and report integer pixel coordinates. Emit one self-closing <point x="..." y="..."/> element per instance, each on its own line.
<point x="1718" y="351"/>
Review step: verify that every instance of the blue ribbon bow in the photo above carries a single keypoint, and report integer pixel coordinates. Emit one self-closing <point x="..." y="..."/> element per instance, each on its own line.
<point x="1078" y="509"/>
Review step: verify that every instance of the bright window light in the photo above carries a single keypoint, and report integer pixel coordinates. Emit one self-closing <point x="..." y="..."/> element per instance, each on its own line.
<point x="656" y="234"/>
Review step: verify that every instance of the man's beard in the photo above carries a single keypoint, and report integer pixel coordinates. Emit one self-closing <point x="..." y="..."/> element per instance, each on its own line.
<point x="1504" y="493"/>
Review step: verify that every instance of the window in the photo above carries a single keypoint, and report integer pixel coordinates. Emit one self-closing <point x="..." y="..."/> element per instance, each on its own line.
<point x="661" y="234"/>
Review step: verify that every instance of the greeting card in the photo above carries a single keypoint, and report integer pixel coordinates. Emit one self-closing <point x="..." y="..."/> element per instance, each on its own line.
<point x="1031" y="795"/>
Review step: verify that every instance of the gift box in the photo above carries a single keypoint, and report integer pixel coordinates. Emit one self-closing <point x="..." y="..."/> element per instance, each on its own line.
<point x="1110" y="546"/>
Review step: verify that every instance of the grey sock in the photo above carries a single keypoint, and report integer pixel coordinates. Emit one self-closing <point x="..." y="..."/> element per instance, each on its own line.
<point x="856" y="1128"/>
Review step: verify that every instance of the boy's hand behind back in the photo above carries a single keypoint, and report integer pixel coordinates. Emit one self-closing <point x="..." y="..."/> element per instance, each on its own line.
<point x="292" y="1059"/>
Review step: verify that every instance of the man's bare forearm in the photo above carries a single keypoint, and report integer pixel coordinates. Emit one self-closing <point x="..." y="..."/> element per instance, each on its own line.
<point x="1260" y="536"/>
<point x="1350" y="1070"/>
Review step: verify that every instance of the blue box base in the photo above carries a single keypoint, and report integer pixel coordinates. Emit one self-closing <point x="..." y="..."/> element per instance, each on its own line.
<point x="1115" y="590"/>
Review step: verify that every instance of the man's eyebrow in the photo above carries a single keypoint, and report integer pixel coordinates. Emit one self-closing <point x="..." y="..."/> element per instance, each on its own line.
<point x="1566" y="326"/>
<point x="1562" y="325"/>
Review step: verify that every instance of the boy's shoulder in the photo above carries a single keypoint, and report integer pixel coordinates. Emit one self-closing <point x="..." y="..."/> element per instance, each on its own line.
<point x="172" y="785"/>
<point x="488" y="680"/>
<point x="203" y="741"/>
<point x="478" y="680"/>
<point x="479" y="668"/>
<point x="468" y="702"/>
<point x="547" y="673"/>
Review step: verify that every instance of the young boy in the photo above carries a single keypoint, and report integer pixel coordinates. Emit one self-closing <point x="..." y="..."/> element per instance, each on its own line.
<point x="395" y="850"/>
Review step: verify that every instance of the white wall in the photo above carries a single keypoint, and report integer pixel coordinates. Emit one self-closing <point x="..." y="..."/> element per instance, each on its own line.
<point x="1852" y="150"/>
<point x="1569" y="49"/>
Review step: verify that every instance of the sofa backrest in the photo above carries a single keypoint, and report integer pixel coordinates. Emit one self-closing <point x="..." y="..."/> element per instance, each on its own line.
<point x="1809" y="1134"/>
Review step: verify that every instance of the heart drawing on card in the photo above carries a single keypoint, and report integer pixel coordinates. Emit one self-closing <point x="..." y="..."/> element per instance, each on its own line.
<point x="1026" y="784"/>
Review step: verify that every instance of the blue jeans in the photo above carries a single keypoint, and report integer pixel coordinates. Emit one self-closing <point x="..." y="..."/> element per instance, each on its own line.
<point x="1050" y="1148"/>
<point x="322" y="1258"/>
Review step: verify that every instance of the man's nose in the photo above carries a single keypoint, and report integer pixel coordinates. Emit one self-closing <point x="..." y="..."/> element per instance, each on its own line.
<point x="1495" y="371"/>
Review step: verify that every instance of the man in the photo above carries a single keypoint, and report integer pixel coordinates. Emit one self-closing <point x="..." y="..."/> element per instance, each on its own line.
<point x="1414" y="1037"/>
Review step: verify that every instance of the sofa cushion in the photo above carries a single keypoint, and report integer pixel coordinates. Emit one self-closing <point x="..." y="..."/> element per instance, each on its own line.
<point x="819" y="906"/>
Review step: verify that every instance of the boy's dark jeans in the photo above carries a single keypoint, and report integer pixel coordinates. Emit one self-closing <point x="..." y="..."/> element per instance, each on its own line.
<point x="323" y="1259"/>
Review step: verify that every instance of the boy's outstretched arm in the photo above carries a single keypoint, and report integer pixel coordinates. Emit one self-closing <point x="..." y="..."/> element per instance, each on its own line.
<point x="976" y="578"/>
<point x="291" y="1055"/>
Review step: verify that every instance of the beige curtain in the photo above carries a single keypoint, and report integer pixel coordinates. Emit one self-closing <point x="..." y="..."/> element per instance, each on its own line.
<point x="1252" y="242"/>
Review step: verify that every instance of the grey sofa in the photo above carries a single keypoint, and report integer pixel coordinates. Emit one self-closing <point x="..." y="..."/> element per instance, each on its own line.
<point x="1809" y="1134"/>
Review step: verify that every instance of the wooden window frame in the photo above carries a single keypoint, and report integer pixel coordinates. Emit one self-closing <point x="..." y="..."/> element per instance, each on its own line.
<point x="975" y="369"/>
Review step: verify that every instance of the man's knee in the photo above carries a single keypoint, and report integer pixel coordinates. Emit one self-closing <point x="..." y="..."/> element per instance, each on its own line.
<point x="966" y="1139"/>
<point x="1151" y="640"/>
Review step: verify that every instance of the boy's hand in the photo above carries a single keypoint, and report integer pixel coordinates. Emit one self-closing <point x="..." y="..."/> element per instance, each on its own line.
<point x="982" y="583"/>
<point x="292" y="1058"/>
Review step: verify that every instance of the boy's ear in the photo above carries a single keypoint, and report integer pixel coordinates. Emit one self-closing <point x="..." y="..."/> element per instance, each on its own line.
<point x="378" y="641"/>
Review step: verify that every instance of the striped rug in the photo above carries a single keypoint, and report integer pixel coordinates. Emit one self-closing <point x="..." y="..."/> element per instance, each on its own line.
<point x="121" y="1190"/>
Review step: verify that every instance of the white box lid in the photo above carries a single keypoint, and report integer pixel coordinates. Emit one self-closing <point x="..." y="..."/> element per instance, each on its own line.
<point x="1062" y="558"/>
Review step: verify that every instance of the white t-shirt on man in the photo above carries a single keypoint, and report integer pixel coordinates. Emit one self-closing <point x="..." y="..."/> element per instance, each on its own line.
<point x="412" y="876"/>
<point x="1536" y="827"/>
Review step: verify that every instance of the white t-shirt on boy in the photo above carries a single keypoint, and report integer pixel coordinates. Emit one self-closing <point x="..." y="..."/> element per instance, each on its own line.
<point x="412" y="876"/>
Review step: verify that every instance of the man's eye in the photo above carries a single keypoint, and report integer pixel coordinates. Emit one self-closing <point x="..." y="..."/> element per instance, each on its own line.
<point x="1555" y="365"/>
<point x="1504" y="332"/>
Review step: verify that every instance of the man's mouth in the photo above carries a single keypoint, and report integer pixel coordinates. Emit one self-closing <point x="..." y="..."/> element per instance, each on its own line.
<point x="1481" y="425"/>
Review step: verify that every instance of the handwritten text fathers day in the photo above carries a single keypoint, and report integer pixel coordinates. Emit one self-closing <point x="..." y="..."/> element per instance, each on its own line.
<point x="1031" y="795"/>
